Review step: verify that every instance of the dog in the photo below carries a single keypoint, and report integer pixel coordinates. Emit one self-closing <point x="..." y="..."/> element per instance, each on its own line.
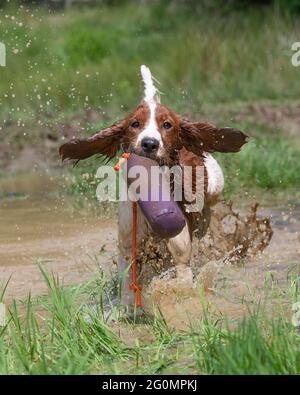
<point x="155" y="131"/>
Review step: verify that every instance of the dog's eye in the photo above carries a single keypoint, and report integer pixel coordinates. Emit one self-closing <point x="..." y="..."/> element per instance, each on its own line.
<point x="135" y="124"/>
<point x="167" y="125"/>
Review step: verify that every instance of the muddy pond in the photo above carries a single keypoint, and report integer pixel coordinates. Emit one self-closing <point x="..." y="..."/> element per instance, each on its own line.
<point x="38" y="227"/>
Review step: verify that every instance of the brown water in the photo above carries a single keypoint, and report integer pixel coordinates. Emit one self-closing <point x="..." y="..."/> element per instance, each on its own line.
<point x="33" y="184"/>
<point x="50" y="231"/>
<point x="230" y="290"/>
<point x="73" y="245"/>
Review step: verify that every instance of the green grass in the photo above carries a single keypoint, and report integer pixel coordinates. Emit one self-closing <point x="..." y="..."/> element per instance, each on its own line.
<point x="268" y="163"/>
<point x="61" y="63"/>
<point x="253" y="348"/>
<point x="51" y="336"/>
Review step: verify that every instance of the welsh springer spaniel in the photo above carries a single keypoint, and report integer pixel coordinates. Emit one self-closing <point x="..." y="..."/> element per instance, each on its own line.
<point x="155" y="131"/>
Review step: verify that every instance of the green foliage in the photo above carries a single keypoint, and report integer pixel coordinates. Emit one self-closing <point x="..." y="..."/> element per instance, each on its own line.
<point x="62" y="334"/>
<point x="90" y="58"/>
<point x="90" y="46"/>
<point x="269" y="163"/>
<point x="253" y="348"/>
<point x="64" y="344"/>
<point x="289" y="5"/>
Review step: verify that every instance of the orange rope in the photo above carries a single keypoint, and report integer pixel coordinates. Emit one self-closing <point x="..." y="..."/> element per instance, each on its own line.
<point x="134" y="287"/>
<point x="124" y="156"/>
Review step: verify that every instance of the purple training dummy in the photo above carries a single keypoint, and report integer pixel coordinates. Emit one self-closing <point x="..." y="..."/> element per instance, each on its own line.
<point x="164" y="215"/>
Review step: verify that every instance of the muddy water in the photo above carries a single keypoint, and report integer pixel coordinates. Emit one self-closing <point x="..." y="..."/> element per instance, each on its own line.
<point x="29" y="184"/>
<point x="230" y="290"/>
<point x="45" y="230"/>
<point x="39" y="229"/>
<point x="48" y="230"/>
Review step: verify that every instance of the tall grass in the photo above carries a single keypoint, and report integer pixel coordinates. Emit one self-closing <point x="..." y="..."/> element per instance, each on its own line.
<point x="269" y="163"/>
<point x="251" y="349"/>
<point x="53" y="336"/>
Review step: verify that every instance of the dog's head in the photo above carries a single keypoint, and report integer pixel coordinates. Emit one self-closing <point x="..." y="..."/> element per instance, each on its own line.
<point x="155" y="131"/>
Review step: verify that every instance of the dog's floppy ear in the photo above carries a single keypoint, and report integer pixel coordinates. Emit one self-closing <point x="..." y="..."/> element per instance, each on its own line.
<point x="203" y="136"/>
<point x="106" y="142"/>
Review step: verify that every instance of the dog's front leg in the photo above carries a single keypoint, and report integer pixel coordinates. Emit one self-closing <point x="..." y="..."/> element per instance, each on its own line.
<point x="127" y="296"/>
<point x="125" y="248"/>
<point x="180" y="247"/>
<point x="124" y="258"/>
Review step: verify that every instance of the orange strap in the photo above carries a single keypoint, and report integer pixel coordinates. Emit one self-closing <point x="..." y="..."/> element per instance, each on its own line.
<point x="121" y="160"/>
<point x="134" y="287"/>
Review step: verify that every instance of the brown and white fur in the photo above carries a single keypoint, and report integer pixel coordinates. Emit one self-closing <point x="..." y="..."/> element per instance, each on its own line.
<point x="155" y="131"/>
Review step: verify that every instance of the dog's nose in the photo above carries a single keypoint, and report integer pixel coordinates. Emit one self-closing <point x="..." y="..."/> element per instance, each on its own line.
<point x="149" y="144"/>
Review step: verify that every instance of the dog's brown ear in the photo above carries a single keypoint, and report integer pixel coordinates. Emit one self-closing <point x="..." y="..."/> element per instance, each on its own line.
<point x="106" y="142"/>
<point x="202" y="136"/>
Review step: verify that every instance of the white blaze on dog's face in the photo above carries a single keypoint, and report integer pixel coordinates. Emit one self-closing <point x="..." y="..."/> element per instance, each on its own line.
<point x="150" y="140"/>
